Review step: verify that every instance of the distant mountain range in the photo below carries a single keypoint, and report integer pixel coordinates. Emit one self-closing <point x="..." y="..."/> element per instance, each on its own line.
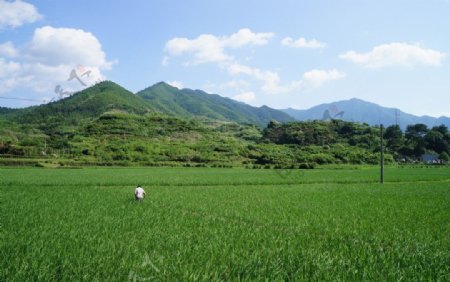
<point x="357" y="110"/>
<point x="187" y="103"/>
<point x="161" y="97"/>
<point x="161" y="125"/>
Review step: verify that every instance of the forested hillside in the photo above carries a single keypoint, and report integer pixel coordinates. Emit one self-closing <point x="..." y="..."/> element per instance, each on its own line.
<point x="108" y="125"/>
<point x="189" y="103"/>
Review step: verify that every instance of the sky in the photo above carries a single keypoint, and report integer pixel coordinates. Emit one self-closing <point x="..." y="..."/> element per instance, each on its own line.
<point x="283" y="53"/>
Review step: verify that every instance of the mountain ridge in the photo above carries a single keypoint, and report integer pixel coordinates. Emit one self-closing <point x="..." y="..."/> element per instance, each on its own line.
<point x="160" y="97"/>
<point x="108" y="125"/>
<point x="88" y="103"/>
<point x="358" y="110"/>
<point x="188" y="102"/>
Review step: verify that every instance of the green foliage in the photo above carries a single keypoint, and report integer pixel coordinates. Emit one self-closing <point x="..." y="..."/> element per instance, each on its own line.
<point x="89" y="103"/>
<point x="358" y="143"/>
<point x="188" y="103"/>
<point x="225" y="224"/>
<point x="162" y="125"/>
<point x="394" y="138"/>
<point x="444" y="156"/>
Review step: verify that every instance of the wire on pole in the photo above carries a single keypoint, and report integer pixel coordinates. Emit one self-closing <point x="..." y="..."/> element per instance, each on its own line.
<point x="381" y="155"/>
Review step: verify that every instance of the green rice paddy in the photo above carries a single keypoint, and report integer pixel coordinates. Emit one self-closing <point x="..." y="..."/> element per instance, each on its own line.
<point x="205" y="224"/>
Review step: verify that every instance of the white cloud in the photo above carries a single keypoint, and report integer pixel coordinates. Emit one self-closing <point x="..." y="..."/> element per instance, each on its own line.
<point x="442" y="114"/>
<point x="67" y="46"/>
<point x="270" y="79"/>
<point x="41" y="77"/>
<point x="10" y="83"/>
<point x="396" y="54"/>
<point x="317" y="78"/>
<point x="246" y="37"/>
<point x="51" y="58"/>
<point x="210" y="48"/>
<point x="245" y="97"/>
<point x="205" y="48"/>
<point x="7" y="49"/>
<point x="175" y="83"/>
<point x="17" y="13"/>
<point x="8" y="68"/>
<point x="302" y="43"/>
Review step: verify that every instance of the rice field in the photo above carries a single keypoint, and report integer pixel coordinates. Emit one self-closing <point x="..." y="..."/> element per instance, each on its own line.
<point x="205" y="224"/>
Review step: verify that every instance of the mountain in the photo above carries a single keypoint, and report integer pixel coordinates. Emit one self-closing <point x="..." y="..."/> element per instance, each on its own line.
<point x="108" y="125"/>
<point x="188" y="103"/>
<point x="161" y="97"/>
<point x="91" y="102"/>
<point x="364" y="112"/>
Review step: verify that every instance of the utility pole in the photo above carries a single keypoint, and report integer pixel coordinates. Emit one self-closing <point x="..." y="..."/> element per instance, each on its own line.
<point x="382" y="155"/>
<point x="45" y="146"/>
<point x="396" y="116"/>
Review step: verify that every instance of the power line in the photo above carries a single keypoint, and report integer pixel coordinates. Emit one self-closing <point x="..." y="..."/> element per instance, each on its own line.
<point x="22" y="99"/>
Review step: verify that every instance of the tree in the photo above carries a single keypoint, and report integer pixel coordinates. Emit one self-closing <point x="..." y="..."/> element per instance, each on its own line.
<point x="434" y="140"/>
<point x="394" y="138"/>
<point x="273" y="124"/>
<point x="416" y="131"/>
<point x="444" y="157"/>
<point x="415" y="138"/>
<point x="441" y="128"/>
<point x="445" y="136"/>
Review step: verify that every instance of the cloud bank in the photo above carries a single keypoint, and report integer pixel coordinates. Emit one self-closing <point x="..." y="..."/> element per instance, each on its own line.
<point x="208" y="48"/>
<point x="49" y="58"/>
<point x="302" y="43"/>
<point x="395" y="55"/>
<point x="17" y="13"/>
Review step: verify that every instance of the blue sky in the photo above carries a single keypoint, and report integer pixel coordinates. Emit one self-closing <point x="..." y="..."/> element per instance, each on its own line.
<point x="278" y="53"/>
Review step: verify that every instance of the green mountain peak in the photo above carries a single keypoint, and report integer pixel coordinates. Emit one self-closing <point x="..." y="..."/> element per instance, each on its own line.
<point x="189" y="103"/>
<point x="88" y="103"/>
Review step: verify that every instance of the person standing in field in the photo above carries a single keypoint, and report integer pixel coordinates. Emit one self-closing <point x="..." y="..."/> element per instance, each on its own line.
<point x="139" y="193"/>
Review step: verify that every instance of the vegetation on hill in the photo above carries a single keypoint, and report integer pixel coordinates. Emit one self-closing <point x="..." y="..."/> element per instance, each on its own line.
<point x="108" y="125"/>
<point x="335" y="141"/>
<point x="417" y="140"/>
<point x="189" y="103"/>
<point x="89" y="103"/>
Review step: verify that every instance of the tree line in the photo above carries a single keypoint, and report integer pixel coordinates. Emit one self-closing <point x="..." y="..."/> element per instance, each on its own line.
<point x="417" y="140"/>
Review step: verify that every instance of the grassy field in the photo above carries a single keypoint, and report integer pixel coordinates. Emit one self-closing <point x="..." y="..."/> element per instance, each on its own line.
<point x="225" y="224"/>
